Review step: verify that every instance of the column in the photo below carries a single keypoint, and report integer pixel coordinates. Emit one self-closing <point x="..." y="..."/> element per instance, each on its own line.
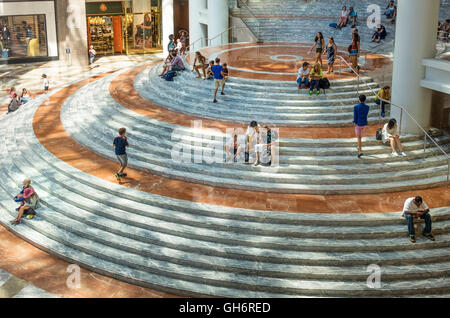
<point x="218" y="13"/>
<point x="415" y="40"/>
<point x="167" y="23"/>
<point x="72" y="30"/>
<point x="196" y="31"/>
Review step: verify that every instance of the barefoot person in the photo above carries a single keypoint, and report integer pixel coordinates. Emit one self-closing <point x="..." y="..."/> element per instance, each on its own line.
<point x="28" y="199"/>
<point x="121" y="144"/>
<point x="360" y="113"/>
<point x="201" y="64"/>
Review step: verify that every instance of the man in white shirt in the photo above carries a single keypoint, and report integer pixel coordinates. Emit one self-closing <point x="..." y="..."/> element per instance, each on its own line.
<point x="303" y="76"/>
<point x="250" y="140"/>
<point x="415" y="207"/>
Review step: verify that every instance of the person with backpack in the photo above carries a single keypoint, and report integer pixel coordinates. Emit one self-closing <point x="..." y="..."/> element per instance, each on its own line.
<point x="121" y="144"/>
<point x="360" y="113"/>
<point x="28" y="200"/>
<point x="14" y="104"/>
<point x="315" y="77"/>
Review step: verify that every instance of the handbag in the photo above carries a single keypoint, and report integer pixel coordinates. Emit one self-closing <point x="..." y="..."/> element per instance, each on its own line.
<point x="379" y="134"/>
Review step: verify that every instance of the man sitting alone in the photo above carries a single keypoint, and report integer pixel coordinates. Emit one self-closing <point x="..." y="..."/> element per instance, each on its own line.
<point x="415" y="207"/>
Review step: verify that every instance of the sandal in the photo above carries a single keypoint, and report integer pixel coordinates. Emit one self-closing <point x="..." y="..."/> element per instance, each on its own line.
<point x="15" y="222"/>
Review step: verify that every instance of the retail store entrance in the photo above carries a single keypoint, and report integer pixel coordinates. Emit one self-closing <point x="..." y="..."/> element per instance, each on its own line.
<point x="124" y="27"/>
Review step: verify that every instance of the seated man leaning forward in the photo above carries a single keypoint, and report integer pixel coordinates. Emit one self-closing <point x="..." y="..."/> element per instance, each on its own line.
<point x="177" y="63"/>
<point x="416" y="208"/>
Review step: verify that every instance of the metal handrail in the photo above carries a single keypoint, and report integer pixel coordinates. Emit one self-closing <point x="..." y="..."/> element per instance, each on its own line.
<point x="402" y="109"/>
<point x="245" y="6"/>
<point x="220" y="34"/>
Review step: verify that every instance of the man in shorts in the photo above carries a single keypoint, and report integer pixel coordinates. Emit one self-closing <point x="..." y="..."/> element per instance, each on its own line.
<point x="217" y="69"/>
<point x="360" y="113"/>
<point x="120" y="144"/>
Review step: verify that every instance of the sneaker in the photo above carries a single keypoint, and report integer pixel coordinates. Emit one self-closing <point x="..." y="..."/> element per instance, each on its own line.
<point x="318" y="92"/>
<point x="256" y="163"/>
<point x="360" y="155"/>
<point x="222" y="93"/>
<point x="299" y="87"/>
<point x="117" y="176"/>
<point x="394" y="154"/>
<point x="412" y="239"/>
<point x="403" y="154"/>
<point x="382" y="115"/>
<point x="310" y="92"/>
<point x="30" y="217"/>
<point x="123" y="174"/>
<point x="215" y="101"/>
<point x="429" y="236"/>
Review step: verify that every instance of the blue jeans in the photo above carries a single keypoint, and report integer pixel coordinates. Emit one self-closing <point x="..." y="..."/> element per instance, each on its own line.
<point x="383" y="104"/>
<point x="314" y="84"/>
<point x="91" y="59"/>
<point x="304" y="82"/>
<point x="410" y="222"/>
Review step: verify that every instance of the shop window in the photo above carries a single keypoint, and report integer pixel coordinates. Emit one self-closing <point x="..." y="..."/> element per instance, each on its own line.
<point x="23" y="36"/>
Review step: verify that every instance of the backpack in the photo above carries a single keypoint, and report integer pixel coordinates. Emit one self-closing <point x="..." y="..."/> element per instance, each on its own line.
<point x="324" y="83"/>
<point x="170" y="75"/>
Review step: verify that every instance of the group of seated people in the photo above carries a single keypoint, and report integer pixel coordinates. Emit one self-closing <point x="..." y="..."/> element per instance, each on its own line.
<point x="206" y="68"/>
<point x="346" y="17"/>
<point x="444" y="30"/>
<point x="310" y="77"/>
<point x="391" y="11"/>
<point x="16" y="100"/>
<point x="258" y="143"/>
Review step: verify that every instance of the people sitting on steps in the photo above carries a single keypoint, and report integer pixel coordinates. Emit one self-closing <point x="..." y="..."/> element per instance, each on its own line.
<point x="201" y="64"/>
<point x="379" y="34"/>
<point x="233" y="149"/>
<point x="343" y="18"/>
<point x="176" y="64"/>
<point x="315" y="75"/>
<point x="28" y="200"/>
<point x="382" y="98"/>
<point x="209" y="70"/>
<point x="391" y="134"/>
<point x="352" y="17"/>
<point x="14" y="104"/>
<point x="303" y="76"/>
<point x="416" y="208"/>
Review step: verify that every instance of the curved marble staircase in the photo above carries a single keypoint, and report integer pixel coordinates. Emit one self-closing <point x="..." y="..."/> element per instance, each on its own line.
<point x="310" y="166"/>
<point x="198" y="249"/>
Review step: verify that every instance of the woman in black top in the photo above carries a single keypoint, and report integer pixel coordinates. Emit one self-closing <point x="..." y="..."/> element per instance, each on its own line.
<point x="331" y="54"/>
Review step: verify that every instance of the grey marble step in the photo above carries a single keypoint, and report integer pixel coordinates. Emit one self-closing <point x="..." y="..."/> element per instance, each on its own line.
<point x="241" y="91"/>
<point x="135" y="262"/>
<point x="189" y="87"/>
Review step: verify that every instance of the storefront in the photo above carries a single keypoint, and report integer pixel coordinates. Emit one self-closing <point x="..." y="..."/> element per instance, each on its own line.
<point x="30" y="35"/>
<point x="124" y="27"/>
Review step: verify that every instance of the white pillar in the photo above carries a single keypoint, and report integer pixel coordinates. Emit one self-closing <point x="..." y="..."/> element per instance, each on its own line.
<point x="195" y="29"/>
<point x="167" y="23"/>
<point x="218" y="13"/>
<point x="415" y="40"/>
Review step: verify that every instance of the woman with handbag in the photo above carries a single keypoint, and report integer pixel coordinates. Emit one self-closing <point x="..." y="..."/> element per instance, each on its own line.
<point x="391" y="134"/>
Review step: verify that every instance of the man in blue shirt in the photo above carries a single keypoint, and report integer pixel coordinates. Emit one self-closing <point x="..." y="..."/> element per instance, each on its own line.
<point x="120" y="144"/>
<point x="217" y="69"/>
<point x="360" y="113"/>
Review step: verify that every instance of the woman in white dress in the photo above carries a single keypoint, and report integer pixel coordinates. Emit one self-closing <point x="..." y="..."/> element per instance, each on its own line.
<point x="391" y="134"/>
